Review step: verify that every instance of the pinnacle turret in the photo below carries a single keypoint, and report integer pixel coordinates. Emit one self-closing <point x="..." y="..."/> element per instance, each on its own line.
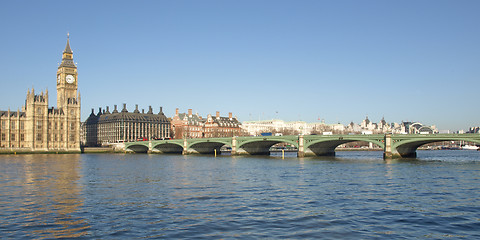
<point x="67" y="48"/>
<point x="67" y="56"/>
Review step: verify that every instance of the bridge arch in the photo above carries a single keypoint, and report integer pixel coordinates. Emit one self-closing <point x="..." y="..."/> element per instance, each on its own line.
<point x="206" y="147"/>
<point x="326" y="146"/>
<point x="137" y="148"/>
<point x="407" y="148"/>
<point x="167" y="147"/>
<point x="262" y="145"/>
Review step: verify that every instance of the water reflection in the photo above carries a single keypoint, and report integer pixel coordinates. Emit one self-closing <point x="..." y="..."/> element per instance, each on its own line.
<point x="44" y="195"/>
<point x="128" y="196"/>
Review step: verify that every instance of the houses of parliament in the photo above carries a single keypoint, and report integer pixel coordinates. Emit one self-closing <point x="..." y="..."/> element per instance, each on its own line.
<point x="38" y="127"/>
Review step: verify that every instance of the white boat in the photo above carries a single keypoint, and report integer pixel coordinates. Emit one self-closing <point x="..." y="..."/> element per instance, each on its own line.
<point x="469" y="147"/>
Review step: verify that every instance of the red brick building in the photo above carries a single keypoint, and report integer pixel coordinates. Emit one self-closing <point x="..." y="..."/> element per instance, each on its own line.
<point x="189" y="125"/>
<point x="216" y="126"/>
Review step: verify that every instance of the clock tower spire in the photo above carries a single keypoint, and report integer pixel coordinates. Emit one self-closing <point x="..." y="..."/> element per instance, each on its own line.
<point x="67" y="78"/>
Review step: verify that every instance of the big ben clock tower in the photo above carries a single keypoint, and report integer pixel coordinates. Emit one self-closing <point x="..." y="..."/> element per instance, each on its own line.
<point x="68" y="100"/>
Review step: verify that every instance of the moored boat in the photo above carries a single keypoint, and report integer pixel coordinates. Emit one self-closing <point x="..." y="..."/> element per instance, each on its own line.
<point x="470" y="147"/>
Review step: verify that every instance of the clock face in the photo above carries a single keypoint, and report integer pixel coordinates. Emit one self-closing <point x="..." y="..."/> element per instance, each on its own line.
<point x="70" y="79"/>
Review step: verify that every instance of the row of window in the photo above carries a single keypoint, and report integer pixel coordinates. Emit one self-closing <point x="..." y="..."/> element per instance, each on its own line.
<point x="39" y="111"/>
<point x="12" y="137"/>
<point x="51" y="137"/>
<point x="13" y="125"/>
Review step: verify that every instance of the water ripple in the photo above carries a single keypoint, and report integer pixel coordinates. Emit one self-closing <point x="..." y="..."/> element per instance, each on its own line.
<point x="353" y="196"/>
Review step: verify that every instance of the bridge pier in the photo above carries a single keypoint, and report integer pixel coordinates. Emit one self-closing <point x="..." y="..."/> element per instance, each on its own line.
<point x="185" y="145"/>
<point x="387" y="150"/>
<point x="391" y="152"/>
<point x="301" y="149"/>
<point x="234" y="146"/>
<point x="150" y="149"/>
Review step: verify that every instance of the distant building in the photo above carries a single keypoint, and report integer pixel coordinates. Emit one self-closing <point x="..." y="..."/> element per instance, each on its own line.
<point x="255" y="128"/>
<point x="189" y="125"/>
<point x="474" y="130"/>
<point x="105" y="128"/>
<point x="39" y="128"/>
<point x="418" y="128"/>
<point x="413" y="128"/>
<point x="216" y="126"/>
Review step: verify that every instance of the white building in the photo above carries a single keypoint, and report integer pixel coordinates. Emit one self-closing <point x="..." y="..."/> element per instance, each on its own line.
<point x="255" y="128"/>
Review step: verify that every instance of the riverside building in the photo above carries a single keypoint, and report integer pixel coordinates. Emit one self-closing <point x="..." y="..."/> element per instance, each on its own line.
<point x="36" y="127"/>
<point x="194" y="126"/>
<point x="105" y="128"/>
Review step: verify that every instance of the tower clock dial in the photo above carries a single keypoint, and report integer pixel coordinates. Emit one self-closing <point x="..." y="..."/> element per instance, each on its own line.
<point x="70" y="79"/>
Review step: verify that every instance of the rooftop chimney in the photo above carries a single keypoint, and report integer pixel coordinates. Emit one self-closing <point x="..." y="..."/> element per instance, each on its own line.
<point x="150" y="111"/>
<point x="136" y="109"/>
<point x="218" y="114"/>
<point x="230" y="115"/>
<point x="161" y="110"/>
<point x="124" y="108"/>
<point x="176" y="111"/>
<point x="189" y="112"/>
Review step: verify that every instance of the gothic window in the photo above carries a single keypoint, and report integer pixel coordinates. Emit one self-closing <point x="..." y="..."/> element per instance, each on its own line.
<point x="3" y="136"/>
<point x="3" y="124"/>
<point x="22" y="125"/>
<point x="55" y="137"/>
<point x="12" y="125"/>
<point x="39" y="137"/>
<point x="39" y="124"/>
<point x="56" y="126"/>
<point x="39" y="110"/>
<point x="22" y="137"/>
<point x="72" y="112"/>
<point x="72" y="137"/>
<point x="72" y="126"/>
<point x="61" y="137"/>
<point x="12" y="138"/>
<point x="61" y="127"/>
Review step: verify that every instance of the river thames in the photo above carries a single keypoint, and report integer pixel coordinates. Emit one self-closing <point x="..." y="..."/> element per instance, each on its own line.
<point x="356" y="195"/>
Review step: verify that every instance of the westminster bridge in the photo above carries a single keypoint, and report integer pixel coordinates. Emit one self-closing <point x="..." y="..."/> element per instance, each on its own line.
<point x="393" y="145"/>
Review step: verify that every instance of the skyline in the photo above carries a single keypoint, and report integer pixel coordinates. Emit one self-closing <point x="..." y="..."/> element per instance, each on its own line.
<point x="338" y="61"/>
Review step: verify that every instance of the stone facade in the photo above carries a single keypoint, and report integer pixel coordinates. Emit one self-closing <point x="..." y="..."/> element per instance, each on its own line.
<point x="105" y="128"/>
<point x="39" y="128"/>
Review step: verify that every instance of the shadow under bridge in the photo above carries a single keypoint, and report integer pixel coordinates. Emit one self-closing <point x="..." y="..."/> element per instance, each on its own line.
<point x="168" y="147"/>
<point x="321" y="145"/>
<point x="207" y="146"/>
<point x="262" y="145"/>
<point x="137" y="147"/>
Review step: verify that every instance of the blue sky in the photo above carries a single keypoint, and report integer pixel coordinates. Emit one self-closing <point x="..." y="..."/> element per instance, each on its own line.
<point x="293" y="60"/>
